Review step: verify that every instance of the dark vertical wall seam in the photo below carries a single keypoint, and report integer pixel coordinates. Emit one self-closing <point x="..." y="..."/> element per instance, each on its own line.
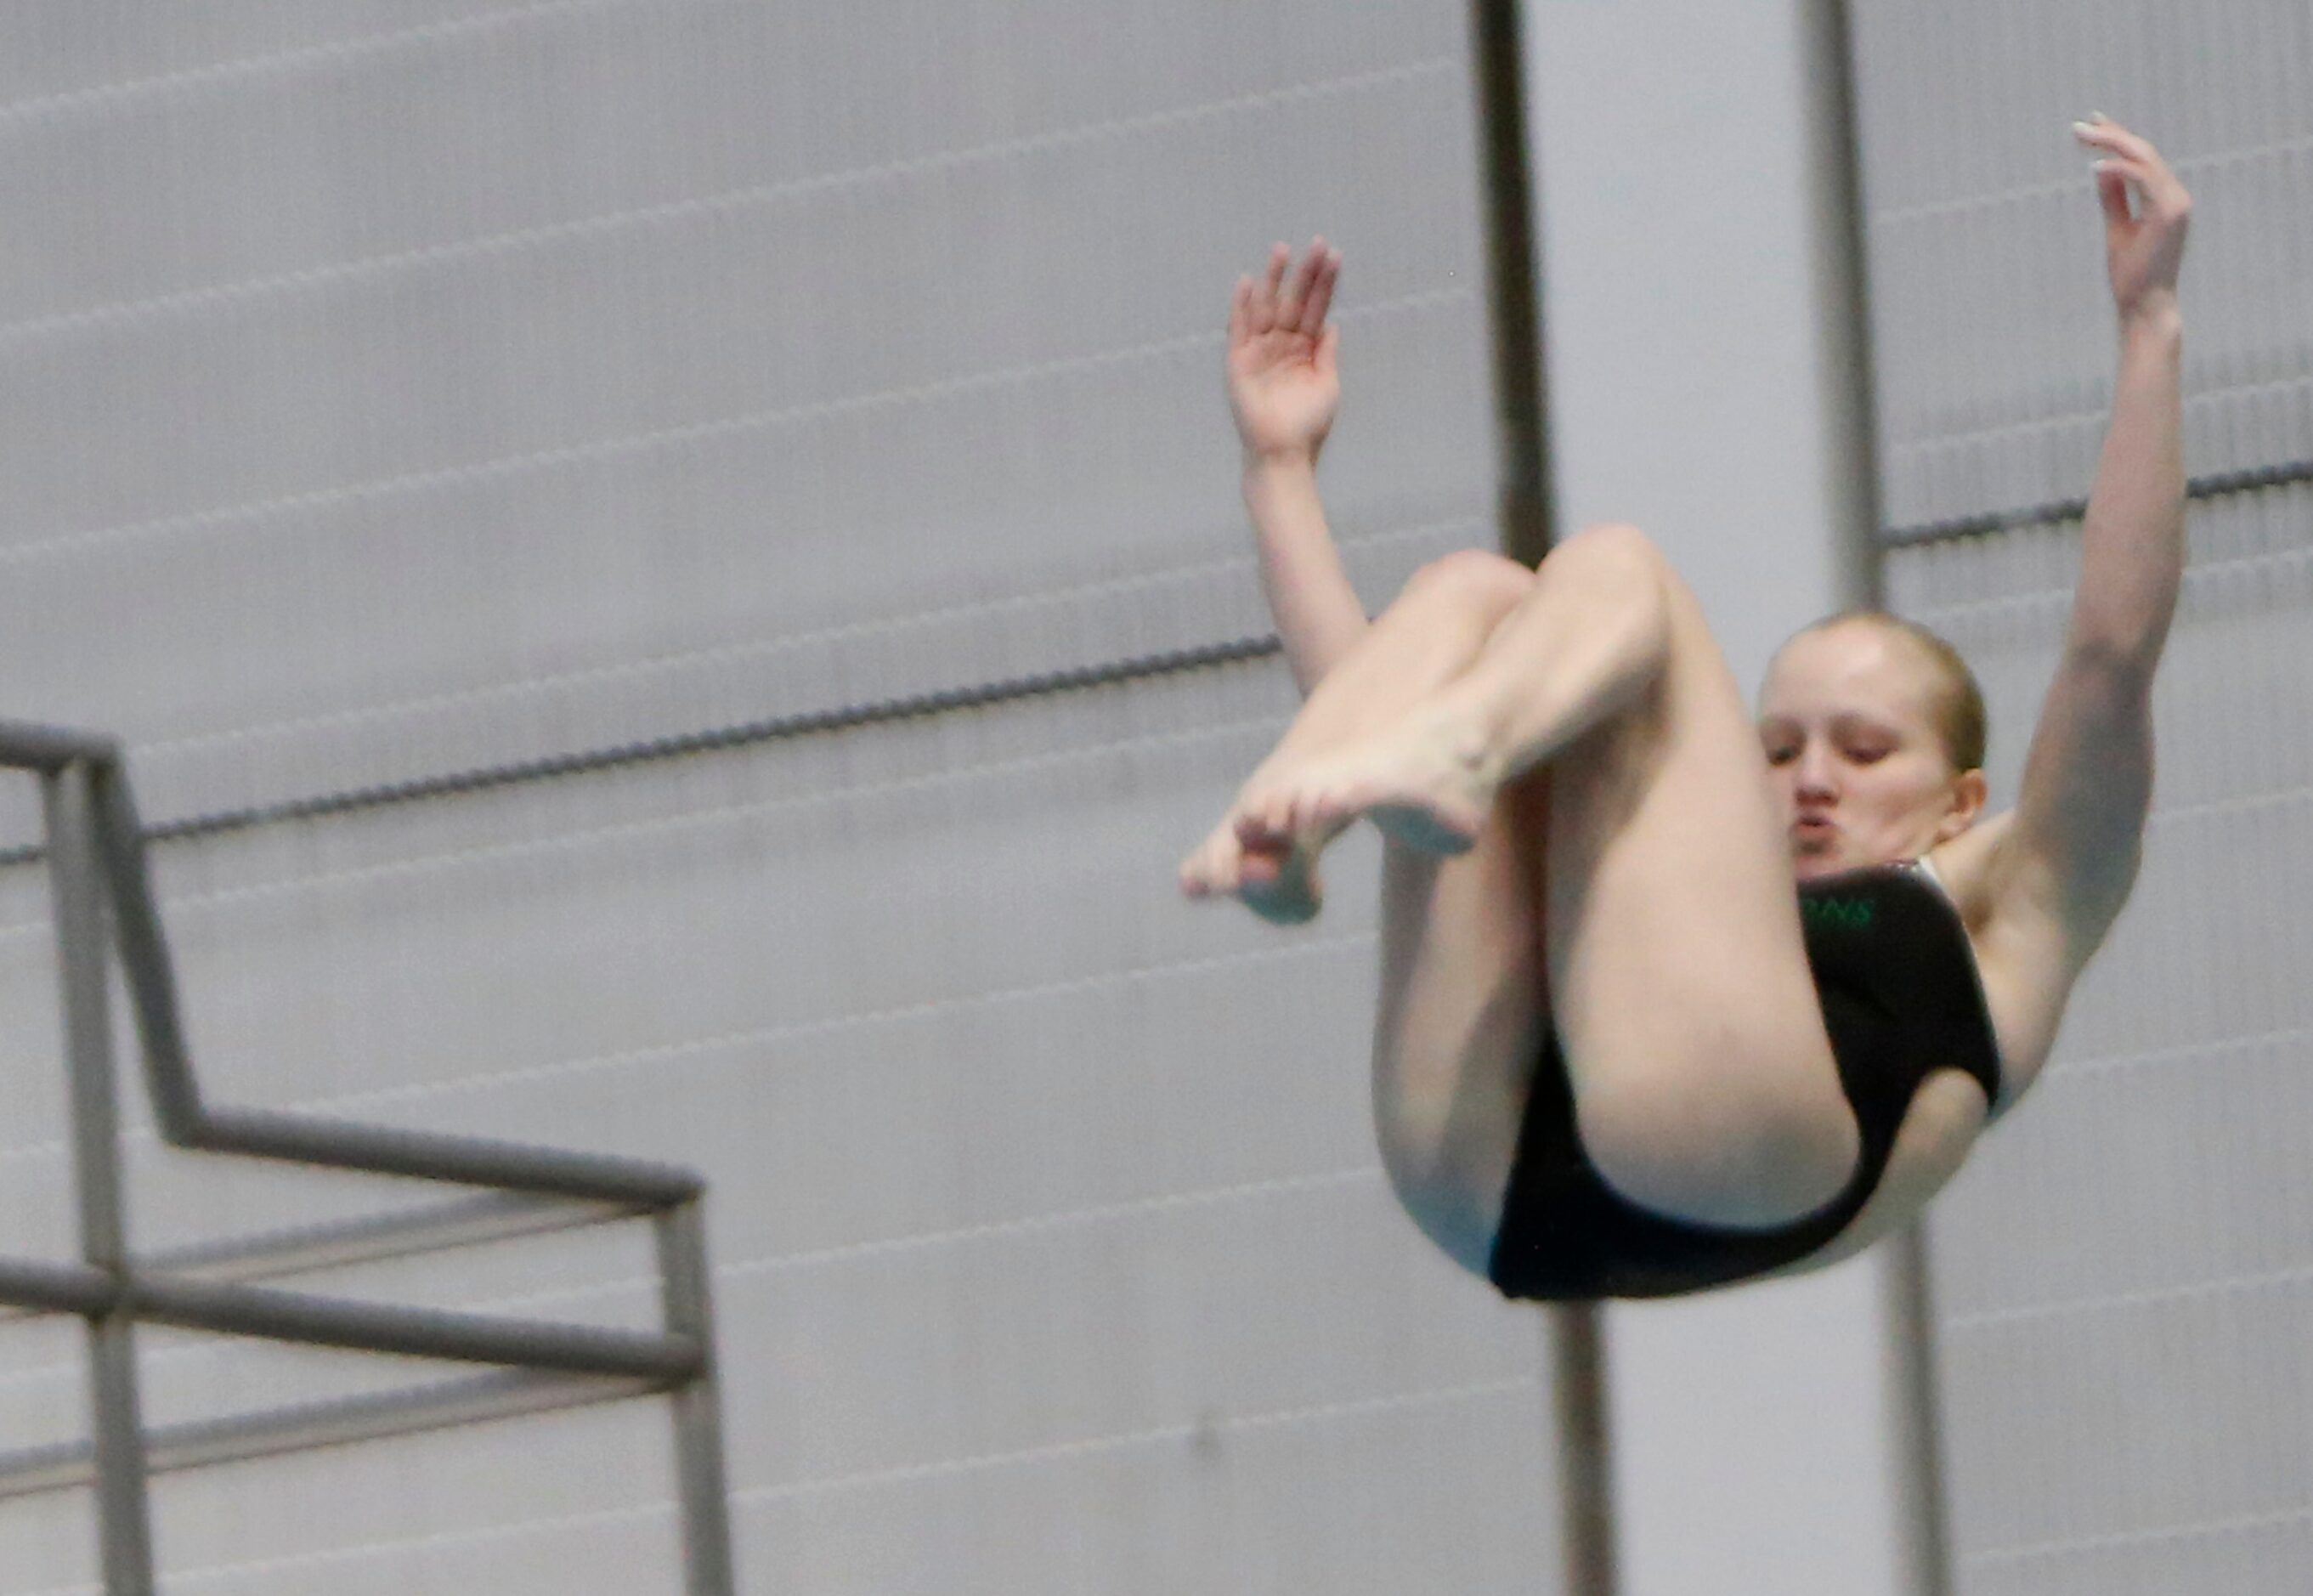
<point x="1512" y="278"/>
<point x="1923" y="1514"/>
<point x="1844" y="279"/>
<point x="1577" y="1343"/>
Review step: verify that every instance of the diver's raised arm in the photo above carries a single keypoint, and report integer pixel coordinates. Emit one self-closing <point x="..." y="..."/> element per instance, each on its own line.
<point x="2131" y="548"/>
<point x="1284" y="388"/>
<point x="2087" y="780"/>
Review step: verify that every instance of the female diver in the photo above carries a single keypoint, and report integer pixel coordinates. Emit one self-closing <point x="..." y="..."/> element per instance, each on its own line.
<point x="1615" y="1053"/>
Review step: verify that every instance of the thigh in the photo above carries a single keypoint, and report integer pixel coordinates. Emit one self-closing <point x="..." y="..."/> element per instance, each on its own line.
<point x="1704" y="1085"/>
<point x="1462" y="1008"/>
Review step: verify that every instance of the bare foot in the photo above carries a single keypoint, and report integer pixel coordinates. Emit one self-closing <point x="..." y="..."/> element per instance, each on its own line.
<point x="1277" y="880"/>
<point x="1428" y="783"/>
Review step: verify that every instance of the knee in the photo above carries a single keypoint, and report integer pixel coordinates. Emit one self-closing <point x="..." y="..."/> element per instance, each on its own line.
<point x="1611" y="551"/>
<point x="1477" y="577"/>
<point x="1615" y="577"/>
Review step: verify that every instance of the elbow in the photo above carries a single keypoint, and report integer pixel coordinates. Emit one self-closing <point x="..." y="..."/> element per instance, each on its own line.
<point x="2120" y="659"/>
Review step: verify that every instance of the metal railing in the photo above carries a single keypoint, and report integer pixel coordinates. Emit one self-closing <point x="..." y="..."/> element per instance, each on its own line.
<point x="97" y="867"/>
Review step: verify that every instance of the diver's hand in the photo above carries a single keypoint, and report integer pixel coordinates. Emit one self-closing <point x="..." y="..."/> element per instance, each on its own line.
<point x="2145" y="247"/>
<point x="1283" y="382"/>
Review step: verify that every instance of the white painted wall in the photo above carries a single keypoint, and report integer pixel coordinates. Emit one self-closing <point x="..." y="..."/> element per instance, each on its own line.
<point x="1696" y="356"/>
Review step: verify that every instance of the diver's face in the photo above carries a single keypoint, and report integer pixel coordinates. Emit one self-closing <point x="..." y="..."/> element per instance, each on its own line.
<point x="1860" y="774"/>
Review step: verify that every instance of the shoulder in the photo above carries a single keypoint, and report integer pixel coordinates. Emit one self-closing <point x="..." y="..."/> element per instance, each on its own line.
<point x="2026" y="956"/>
<point x="1968" y="866"/>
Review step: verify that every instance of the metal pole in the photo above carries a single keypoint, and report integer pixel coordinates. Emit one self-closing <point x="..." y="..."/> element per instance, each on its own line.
<point x="186" y="1122"/>
<point x="145" y="964"/>
<point x="468" y="1399"/>
<point x="705" y="1496"/>
<point x="124" y="1520"/>
<point x="95" y="845"/>
<point x="277" y="1315"/>
<point x="467" y="1161"/>
<point x="50" y="748"/>
<point x="435" y="1228"/>
<point x="1585" y="1457"/>
<point x="1925" y="1519"/>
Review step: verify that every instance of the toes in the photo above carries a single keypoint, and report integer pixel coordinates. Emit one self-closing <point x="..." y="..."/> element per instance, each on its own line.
<point x="1281" y="889"/>
<point x="1264" y="820"/>
<point x="1277" y="881"/>
<point x="1225" y="871"/>
<point x="1213" y="869"/>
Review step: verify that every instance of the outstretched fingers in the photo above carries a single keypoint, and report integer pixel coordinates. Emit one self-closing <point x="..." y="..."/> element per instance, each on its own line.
<point x="2112" y="194"/>
<point x="2127" y="158"/>
<point x="1286" y="298"/>
<point x="2101" y="131"/>
<point x="1313" y="320"/>
<point x="2146" y="215"/>
<point x="1313" y="290"/>
<point x="1264" y="305"/>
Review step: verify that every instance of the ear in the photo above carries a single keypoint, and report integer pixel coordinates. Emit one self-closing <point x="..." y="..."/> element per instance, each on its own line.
<point x="1968" y="794"/>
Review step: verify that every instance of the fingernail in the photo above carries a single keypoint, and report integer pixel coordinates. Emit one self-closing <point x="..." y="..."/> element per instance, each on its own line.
<point x="2097" y="116"/>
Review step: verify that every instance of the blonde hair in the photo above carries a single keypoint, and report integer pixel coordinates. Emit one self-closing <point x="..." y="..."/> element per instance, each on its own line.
<point x="1957" y="709"/>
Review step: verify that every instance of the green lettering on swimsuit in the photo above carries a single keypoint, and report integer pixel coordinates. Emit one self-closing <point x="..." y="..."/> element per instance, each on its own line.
<point x="1854" y="914"/>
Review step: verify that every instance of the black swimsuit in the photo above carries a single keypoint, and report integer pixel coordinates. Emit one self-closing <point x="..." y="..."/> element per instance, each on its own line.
<point x="1901" y="997"/>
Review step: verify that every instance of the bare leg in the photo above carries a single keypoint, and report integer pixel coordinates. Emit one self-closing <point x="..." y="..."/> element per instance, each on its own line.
<point x="1433" y="631"/>
<point x="1677" y="975"/>
<point x="1464" y="1006"/>
<point x="1463" y="997"/>
<point x="1585" y="643"/>
<point x="1704" y="1082"/>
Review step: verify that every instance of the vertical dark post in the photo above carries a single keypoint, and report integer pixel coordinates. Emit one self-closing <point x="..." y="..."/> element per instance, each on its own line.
<point x="1513" y="298"/>
<point x="699" y="1485"/>
<point x="1837" y="155"/>
<point x="1514" y="305"/>
<point x="123" y="1521"/>
<point x="119" y="851"/>
<point x="1585" y="1476"/>
<point x="1919" y="1424"/>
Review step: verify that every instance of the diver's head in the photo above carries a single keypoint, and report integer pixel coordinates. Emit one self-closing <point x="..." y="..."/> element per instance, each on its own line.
<point x="1874" y="733"/>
